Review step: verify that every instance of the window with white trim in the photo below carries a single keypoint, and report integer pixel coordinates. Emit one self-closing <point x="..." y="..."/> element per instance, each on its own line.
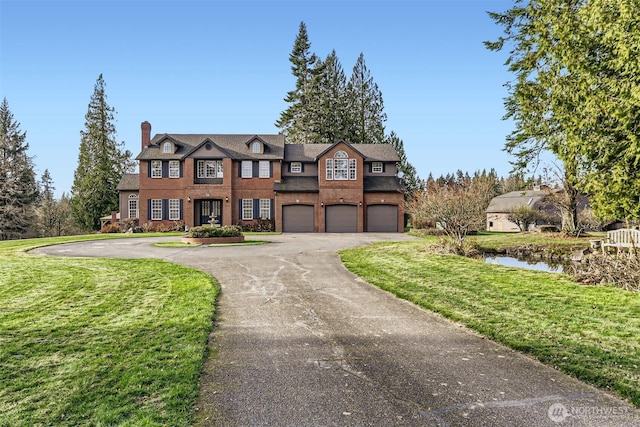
<point x="174" y="209"/>
<point x="265" y="208"/>
<point x="209" y="168"/>
<point x="296" y="167"/>
<point x="256" y="147"/>
<point x="247" y="208"/>
<point x="341" y="168"/>
<point x="133" y="205"/>
<point x="264" y="169"/>
<point x="166" y="147"/>
<point x="156" y="209"/>
<point x="376" y="167"/>
<point x="247" y="169"/>
<point x="156" y="168"/>
<point x="174" y="169"/>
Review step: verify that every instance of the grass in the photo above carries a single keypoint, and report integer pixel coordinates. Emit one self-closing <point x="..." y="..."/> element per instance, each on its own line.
<point x="100" y="341"/>
<point x="588" y="332"/>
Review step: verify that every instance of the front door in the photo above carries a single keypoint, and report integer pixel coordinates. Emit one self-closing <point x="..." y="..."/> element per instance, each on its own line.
<point x="210" y="209"/>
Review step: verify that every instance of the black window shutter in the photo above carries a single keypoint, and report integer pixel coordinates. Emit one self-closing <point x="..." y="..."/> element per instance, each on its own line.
<point x="270" y="169"/>
<point x="165" y="169"/>
<point x="180" y="217"/>
<point x="301" y="167"/>
<point x="256" y="169"/>
<point x="148" y="208"/>
<point x="180" y="168"/>
<point x="289" y="167"/>
<point x="149" y="168"/>
<point x="165" y="208"/>
<point x="273" y="208"/>
<point x="256" y="208"/>
<point x="383" y="167"/>
<point x="370" y="167"/>
<point x="240" y="209"/>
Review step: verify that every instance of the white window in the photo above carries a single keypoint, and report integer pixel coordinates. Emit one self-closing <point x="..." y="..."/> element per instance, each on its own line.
<point x="166" y="147"/>
<point x="256" y="147"/>
<point x="264" y="169"/>
<point x="156" y="209"/>
<point x="247" y="169"/>
<point x="209" y="168"/>
<point x="296" y="167"/>
<point x="247" y="208"/>
<point x="174" y="169"/>
<point x="133" y="206"/>
<point x="156" y="169"/>
<point x="265" y="209"/>
<point x="174" y="209"/>
<point x="376" y="167"/>
<point x="341" y="168"/>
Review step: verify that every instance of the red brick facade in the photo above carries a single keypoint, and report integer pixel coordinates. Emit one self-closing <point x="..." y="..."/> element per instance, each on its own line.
<point x="190" y="178"/>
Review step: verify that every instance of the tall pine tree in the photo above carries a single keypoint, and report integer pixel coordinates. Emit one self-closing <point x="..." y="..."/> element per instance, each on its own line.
<point x="18" y="189"/>
<point x="331" y="123"/>
<point x="365" y="107"/>
<point x="295" y="121"/>
<point x="101" y="163"/>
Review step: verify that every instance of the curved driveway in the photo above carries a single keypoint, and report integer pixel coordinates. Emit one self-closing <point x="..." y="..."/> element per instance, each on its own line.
<point x="301" y="341"/>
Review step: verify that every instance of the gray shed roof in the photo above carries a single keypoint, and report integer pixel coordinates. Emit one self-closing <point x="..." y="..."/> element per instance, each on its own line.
<point x="298" y="184"/>
<point x="129" y="182"/>
<point x="506" y="202"/>
<point x="383" y="184"/>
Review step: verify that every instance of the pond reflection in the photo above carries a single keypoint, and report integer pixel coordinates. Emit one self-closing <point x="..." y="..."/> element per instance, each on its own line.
<point x="531" y="265"/>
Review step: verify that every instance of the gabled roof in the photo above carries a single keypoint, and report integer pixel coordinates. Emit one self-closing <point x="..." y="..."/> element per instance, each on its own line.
<point x="129" y="182"/>
<point x="235" y="145"/>
<point x="309" y="153"/>
<point x="330" y="146"/>
<point x="506" y="202"/>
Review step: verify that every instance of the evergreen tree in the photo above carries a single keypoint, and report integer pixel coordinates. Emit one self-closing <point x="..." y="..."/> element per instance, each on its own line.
<point x="295" y="121"/>
<point x="101" y="163"/>
<point x="577" y="76"/>
<point x="330" y="119"/>
<point x="365" y="106"/>
<point x="18" y="190"/>
<point x="410" y="177"/>
<point x="47" y="215"/>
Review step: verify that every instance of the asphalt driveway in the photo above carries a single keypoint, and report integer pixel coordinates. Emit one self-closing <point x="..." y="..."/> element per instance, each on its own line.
<point x="300" y="341"/>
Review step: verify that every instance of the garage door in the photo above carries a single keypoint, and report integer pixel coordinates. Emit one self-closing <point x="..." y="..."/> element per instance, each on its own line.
<point x="382" y="218"/>
<point x="297" y="219"/>
<point x="341" y="219"/>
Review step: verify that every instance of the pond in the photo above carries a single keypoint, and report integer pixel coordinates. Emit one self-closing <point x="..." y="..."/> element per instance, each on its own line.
<point x="531" y="264"/>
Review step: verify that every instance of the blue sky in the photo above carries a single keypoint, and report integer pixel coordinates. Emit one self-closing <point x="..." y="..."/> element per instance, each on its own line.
<point x="223" y="67"/>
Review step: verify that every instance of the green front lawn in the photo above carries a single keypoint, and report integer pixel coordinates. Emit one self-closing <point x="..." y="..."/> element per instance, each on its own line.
<point x="588" y="332"/>
<point x="100" y="341"/>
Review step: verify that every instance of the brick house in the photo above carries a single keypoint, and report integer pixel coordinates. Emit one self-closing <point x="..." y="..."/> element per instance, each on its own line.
<point x="237" y="178"/>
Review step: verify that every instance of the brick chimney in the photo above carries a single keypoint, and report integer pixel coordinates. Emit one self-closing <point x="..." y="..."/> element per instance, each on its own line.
<point x="146" y="134"/>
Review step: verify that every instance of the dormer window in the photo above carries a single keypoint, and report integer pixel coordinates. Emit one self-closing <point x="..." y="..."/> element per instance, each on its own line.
<point x="256" y="147"/>
<point x="376" y="167"/>
<point x="166" y="147"/>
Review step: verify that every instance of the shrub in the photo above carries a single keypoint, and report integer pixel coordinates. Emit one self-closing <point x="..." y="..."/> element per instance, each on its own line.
<point x="622" y="269"/>
<point x="258" y="225"/>
<point x="110" y="228"/>
<point x="208" y="231"/>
